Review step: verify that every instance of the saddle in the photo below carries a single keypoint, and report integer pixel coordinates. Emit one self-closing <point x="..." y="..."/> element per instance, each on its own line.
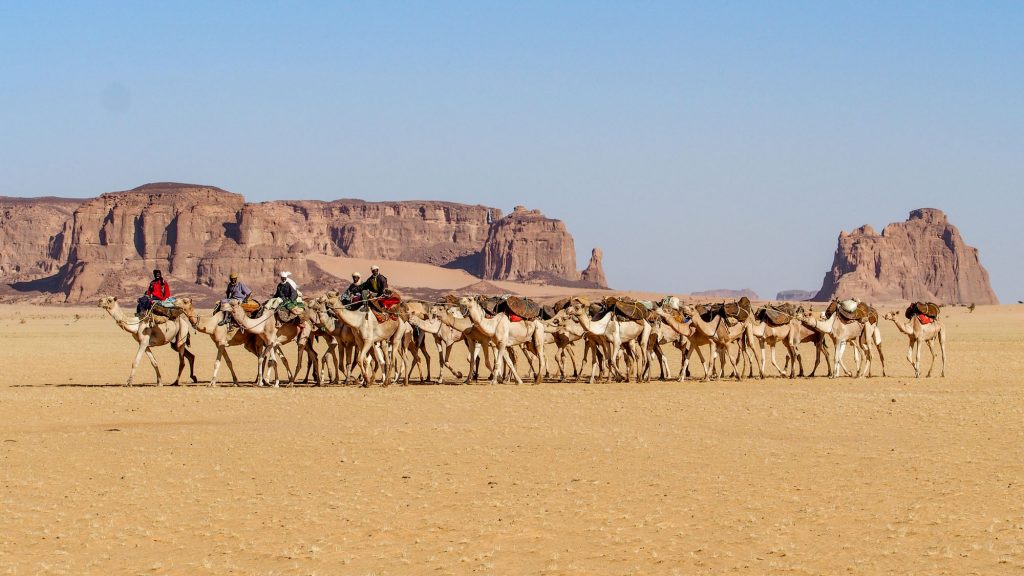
<point x="523" y="307"/>
<point x="853" y="311"/>
<point x="739" y="310"/>
<point x="290" y="312"/>
<point x="159" y="309"/>
<point x="929" y="309"/>
<point x="774" y="315"/>
<point x="707" y="312"/>
<point x="627" y="307"/>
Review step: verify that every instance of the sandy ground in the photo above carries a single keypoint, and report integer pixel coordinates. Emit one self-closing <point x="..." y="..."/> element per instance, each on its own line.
<point x="876" y="476"/>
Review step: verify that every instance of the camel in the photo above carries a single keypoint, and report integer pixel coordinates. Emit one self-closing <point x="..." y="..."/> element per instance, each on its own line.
<point x="272" y="335"/>
<point x="800" y="334"/>
<point x="611" y="334"/>
<point x="504" y="333"/>
<point x="369" y="332"/>
<point x="223" y="336"/>
<point x="173" y="332"/>
<point x="917" y="333"/>
<point x="721" y="334"/>
<point x="695" y="339"/>
<point x="841" y="331"/>
<point x="769" y="336"/>
<point x="476" y="340"/>
<point x="341" y="340"/>
<point x="566" y="332"/>
<point x="445" y="336"/>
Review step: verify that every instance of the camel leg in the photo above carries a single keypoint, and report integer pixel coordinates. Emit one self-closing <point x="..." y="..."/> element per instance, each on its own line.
<point x="840" y="348"/>
<point x="191" y="358"/>
<point x="738" y="373"/>
<point x="775" y="363"/>
<point x="231" y="367"/>
<point x="222" y="352"/>
<point x="143" y="348"/>
<point x="790" y="358"/>
<point x="942" y="348"/>
<point x="878" y="347"/>
<point x="931" y="366"/>
<point x="181" y="364"/>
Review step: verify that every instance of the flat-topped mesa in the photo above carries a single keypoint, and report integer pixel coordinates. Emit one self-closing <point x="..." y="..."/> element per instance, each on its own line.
<point x="199" y="234"/>
<point x="525" y="245"/>
<point x="923" y="258"/>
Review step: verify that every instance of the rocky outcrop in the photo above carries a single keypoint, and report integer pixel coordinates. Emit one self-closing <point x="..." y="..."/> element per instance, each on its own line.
<point x="34" y="236"/>
<point x="526" y="246"/>
<point x="795" y="295"/>
<point x="594" y="272"/>
<point x="924" y="258"/>
<point x="724" y="293"/>
<point x="199" y="234"/>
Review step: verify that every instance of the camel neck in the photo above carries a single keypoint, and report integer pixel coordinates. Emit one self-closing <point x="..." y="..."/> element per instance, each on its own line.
<point x="120" y="318"/>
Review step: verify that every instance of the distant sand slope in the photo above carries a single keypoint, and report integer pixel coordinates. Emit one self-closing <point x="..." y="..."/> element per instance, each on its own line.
<point x="416" y="275"/>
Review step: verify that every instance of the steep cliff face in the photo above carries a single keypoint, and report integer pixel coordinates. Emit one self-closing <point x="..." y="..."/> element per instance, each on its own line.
<point x="924" y="258"/>
<point x="525" y="246"/>
<point x="34" y="236"/>
<point x="199" y="234"/>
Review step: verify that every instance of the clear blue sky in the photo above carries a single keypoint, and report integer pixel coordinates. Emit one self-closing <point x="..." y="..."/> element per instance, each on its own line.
<point x="734" y="140"/>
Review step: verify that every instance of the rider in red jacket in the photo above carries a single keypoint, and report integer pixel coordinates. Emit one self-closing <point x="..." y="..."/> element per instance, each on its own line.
<point x="158" y="289"/>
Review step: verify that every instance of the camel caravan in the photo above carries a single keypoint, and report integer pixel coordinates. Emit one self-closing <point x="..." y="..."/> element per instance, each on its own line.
<point x="374" y="337"/>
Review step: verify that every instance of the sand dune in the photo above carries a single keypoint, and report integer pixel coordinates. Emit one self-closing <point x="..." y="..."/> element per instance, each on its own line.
<point x="886" y="475"/>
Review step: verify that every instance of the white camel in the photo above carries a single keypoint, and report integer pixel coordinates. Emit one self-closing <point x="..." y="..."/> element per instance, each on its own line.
<point x="151" y="334"/>
<point x="917" y="333"/>
<point x="504" y="333"/>
<point x="223" y="335"/>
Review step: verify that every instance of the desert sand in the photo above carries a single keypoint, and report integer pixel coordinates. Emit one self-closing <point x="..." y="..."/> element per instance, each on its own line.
<point x="810" y="476"/>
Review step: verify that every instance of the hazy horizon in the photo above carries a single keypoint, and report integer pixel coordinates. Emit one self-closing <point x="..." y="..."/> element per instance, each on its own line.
<point x="700" y="146"/>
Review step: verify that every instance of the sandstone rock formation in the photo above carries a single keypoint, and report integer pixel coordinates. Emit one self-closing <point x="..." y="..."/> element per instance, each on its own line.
<point x="594" y="273"/>
<point x="34" y="236"/>
<point x="923" y="258"/>
<point x="726" y="294"/>
<point x="795" y="295"/>
<point x="526" y="246"/>
<point x="199" y="234"/>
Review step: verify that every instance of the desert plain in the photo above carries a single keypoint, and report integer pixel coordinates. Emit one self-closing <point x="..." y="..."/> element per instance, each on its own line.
<point x="891" y="475"/>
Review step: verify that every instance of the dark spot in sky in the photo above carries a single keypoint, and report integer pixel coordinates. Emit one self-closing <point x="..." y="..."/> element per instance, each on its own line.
<point x="116" y="98"/>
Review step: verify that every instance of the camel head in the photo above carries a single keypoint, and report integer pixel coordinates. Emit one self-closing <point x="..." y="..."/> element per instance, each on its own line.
<point x="107" y="302"/>
<point x="688" y="310"/>
<point x="185" y="303"/>
<point x="890" y="316"/>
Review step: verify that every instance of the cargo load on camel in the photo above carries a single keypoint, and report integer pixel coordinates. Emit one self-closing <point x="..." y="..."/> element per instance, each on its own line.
<point x="927" y="309"/>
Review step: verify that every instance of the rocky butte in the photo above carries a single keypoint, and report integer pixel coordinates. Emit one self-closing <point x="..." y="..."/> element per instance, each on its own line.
<point x="924" y="258"/>
<point x="74" y="250"/>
